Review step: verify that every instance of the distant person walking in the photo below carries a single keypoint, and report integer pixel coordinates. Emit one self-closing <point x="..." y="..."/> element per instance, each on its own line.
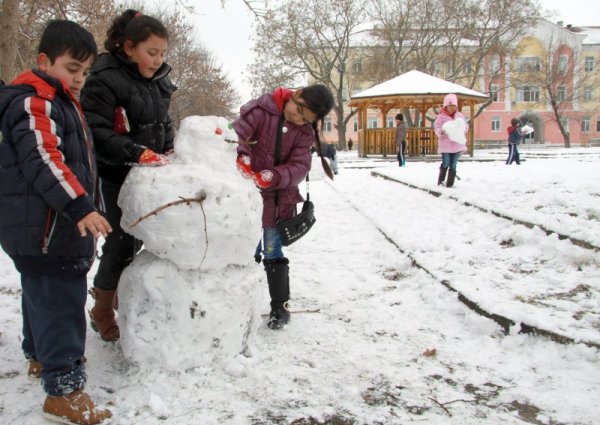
<point x="401" y="139"/>
<point x="350" y="143"/>
<point x="515" y="136"/>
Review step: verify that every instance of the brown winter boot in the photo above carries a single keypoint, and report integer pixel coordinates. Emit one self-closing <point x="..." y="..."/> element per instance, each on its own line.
<point x="75" y="408"/>
<point x="102" y="315"/>
<point x="35" y="369"/>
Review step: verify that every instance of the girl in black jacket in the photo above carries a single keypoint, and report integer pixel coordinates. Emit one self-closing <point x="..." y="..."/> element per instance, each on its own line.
<point x="126" y="102"/>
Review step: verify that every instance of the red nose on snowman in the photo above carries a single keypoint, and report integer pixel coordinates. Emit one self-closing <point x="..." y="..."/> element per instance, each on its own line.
<point x="218" y="131"/>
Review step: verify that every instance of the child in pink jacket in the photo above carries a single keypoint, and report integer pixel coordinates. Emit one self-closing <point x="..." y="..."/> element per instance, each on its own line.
<point x="450" y="149"/>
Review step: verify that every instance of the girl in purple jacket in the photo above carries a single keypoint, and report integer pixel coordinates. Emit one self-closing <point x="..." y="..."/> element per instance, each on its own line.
<point x="449" y="149"/>
<point x="298" y="113"/>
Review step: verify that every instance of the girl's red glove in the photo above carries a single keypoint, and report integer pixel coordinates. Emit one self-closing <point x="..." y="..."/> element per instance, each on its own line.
<point x="151" y="158"/>
<point x="263" y="179"/>
<point x="244" y="167"/>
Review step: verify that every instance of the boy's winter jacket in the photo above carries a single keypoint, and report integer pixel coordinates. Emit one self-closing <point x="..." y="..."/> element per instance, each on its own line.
<point x="401" y="131"/>
<point x="47" y="177"/>
<point x="445" y="144"/>
<point x="258" y="122"/>
<point x="514" y="135"/>
<point x="116" y="82"/>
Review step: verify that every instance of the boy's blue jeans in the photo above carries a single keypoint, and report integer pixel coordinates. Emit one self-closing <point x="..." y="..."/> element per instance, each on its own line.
<point x="449" y="160"/>
<point x="54" y="329"/>
<point x="271" y="241"/>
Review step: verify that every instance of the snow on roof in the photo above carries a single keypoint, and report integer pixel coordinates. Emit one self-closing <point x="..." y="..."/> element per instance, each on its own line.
<point x="592" y="35"/>
<point x="416" y="83"/>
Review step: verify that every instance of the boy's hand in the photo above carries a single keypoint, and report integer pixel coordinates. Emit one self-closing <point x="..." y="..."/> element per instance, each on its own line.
<point x="95" y="223"/>
<point x="149" y="157"/>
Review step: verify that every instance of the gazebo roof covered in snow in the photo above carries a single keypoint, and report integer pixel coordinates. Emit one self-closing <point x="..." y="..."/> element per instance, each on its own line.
<point x="414" y="89"/>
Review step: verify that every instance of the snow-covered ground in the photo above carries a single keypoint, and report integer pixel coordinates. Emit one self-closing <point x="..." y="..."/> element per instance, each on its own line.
<point x="391" y="344"/>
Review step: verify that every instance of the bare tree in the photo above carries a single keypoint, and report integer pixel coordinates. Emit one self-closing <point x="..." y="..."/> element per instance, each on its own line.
<point x="561" y="78"/>
<point x="203" y="88"/>
<point x="449" y="38"/>
<point x="311" y="38"/>
<point x="8" y="42"/>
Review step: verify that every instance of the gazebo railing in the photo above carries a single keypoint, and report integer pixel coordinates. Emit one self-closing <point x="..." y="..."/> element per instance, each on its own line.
<point x="382" y="141"/>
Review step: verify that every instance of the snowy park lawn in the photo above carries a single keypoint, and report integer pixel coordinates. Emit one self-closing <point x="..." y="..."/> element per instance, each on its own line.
<point x="385" y="341"/>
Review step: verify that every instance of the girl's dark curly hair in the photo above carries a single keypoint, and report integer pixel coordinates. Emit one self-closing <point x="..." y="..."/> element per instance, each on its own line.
<point x="133" y="26"/>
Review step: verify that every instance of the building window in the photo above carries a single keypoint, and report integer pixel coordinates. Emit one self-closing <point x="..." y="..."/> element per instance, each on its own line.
<point x="528" y="94"/>
<point x="598" y="125"/>
<point x="587" y="94"/>
<point x="357" y="66"/>
<point x="355" y="124"/>
<point x="327" y="125"/>
<point x="389" y="122"/>
<point x="528" y="64"/>
<point x="561" y="93"/>
<point x="562" y="64"/>
<point x="494" y="89"/>
<point x="589" y="64"/>
<point x="585" y="125"/>
<point x="494" y="64"/>
<point x="372" y="122"/>
<point x="496" y="123"/>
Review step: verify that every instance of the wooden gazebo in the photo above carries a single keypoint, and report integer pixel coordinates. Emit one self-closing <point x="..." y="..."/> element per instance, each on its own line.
<point x="413" y="90"/>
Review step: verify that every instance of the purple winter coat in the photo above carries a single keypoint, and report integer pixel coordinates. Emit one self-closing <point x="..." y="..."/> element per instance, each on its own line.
<point x="258" y="122"/>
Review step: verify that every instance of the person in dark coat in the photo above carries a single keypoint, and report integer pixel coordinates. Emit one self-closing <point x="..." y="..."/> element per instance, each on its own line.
<point x="126" y="102"/>
<point x="515" y="136"/>
<point x="49" y="218"/>
<point x="401" y="130"/>
<point x="298" y="112"/>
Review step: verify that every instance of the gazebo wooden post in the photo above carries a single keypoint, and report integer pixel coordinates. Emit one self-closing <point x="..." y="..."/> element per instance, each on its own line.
<point x="423" y="110"/>
<point x="384" y="110"/>
<point x="362" y="126"/>
<point x="471" y="142"/>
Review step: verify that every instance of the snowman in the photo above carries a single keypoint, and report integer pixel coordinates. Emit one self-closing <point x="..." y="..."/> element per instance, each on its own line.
<point x="190" y="297"/>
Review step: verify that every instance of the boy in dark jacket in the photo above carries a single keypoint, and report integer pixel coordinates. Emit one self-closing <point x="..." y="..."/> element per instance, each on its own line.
<point x="515" y="135"/>
<point x="48" y="217"/>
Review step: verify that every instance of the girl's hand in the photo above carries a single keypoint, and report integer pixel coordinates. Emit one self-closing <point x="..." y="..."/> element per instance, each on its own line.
<point x="149" y="157"/>
<point x="263" y="179"/>
<point x="243" y="164"/>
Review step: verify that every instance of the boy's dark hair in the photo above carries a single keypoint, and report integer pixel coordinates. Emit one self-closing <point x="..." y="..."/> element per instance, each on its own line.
<point x="62" y="36"/>
<point x="132" y="25"/>
<point x="400" y="117"/>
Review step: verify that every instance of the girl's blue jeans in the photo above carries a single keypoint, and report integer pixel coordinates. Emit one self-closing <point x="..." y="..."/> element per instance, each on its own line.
<point x="270" y="246"/>
<point x="449" y="160"/>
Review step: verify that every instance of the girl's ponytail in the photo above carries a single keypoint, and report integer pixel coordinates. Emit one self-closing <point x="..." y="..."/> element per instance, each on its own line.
<point x="132" y="25"/>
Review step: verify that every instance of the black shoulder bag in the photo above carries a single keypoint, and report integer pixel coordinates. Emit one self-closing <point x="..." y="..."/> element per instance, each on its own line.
<point x="293" y="228"/>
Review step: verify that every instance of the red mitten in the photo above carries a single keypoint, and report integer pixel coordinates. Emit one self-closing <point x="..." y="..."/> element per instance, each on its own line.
<point x="121" y="123"/>
<point x="243" y="165"/>
<point x="149" y="157"/>
<point x="263" y="179"/>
